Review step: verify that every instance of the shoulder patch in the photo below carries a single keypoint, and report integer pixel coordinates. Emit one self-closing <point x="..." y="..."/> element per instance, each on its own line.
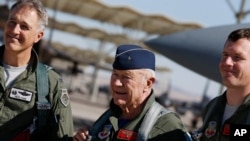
<point x="64" y="97"/>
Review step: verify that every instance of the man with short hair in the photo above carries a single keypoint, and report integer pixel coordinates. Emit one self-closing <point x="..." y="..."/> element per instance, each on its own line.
<point x="134" y="114"/>
<point x="231" y="109"/>
<point x="27" y="114"/>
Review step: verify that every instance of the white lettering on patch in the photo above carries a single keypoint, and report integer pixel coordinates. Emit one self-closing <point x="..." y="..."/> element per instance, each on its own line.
<point x="20" y="94"/>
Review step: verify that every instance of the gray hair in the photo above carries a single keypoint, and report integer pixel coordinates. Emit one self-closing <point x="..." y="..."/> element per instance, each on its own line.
<point x="37" y="5"/>
<point x="147" y="73"/>
<point x="152" y="72"/>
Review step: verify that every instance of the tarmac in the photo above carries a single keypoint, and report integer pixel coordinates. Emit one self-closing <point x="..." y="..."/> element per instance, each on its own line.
<point x="85" y="112"/>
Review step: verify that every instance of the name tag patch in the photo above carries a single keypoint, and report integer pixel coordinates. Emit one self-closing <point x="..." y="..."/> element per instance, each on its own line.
<point x="127" y="135"/>
<point x="20" y="94"/>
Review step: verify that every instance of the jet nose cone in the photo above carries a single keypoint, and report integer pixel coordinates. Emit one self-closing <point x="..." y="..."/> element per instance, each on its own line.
<point x="199" y="50"/>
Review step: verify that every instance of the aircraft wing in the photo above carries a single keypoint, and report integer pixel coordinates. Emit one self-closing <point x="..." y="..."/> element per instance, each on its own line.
<point x="198" y="50"/>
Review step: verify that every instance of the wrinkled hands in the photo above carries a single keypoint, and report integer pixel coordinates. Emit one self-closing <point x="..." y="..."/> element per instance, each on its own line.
<point x="81" y="135"/>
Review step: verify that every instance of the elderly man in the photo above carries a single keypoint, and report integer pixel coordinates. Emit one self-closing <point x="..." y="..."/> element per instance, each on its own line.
<point x="134" y="114"/>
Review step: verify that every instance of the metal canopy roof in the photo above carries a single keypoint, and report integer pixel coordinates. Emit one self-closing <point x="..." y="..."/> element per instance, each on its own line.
<point x="91" y="33"/>
<point x="85" y="56"/>
<point x="123" y="16"/>
<point x="79" y="55"/>
<point x="74" y="54"/>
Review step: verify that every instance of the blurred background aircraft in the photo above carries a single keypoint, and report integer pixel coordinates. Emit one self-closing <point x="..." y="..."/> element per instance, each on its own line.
<point x="199" y="50"/>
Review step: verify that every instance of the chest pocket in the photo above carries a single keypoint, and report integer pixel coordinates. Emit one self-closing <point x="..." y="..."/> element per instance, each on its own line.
<point x="17" y="101"/>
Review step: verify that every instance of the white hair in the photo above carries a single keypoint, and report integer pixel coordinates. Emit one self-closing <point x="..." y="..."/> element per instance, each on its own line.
<point x="147" y="73"/>
<point x="152" y="72"/>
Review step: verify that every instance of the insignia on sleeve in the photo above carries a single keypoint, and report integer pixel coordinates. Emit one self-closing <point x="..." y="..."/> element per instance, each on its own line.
<point x="105" y="132"/>
<point x="211" y="130"/>
<point x="65" y="97"/>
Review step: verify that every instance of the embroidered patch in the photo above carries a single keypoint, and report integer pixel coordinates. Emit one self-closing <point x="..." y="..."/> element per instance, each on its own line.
<point x="226" y="129"/>
<point x="105" y="132"/>
<point x="210" y="131"/>
<point x="65" y="97"/>
<point x="127" y="135"/>
<point x="196" y="135"/>
<point x="20" y="94"/>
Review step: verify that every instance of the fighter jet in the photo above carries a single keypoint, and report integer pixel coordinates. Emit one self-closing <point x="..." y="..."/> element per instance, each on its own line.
<point x="198" y="50"/>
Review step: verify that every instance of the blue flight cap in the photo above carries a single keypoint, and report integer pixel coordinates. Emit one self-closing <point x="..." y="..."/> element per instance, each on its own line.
<point x="133" y="57"/>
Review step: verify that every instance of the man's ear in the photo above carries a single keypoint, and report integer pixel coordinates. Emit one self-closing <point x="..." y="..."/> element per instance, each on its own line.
<point x="150" y="82"/>
<point x="39" y="36"/>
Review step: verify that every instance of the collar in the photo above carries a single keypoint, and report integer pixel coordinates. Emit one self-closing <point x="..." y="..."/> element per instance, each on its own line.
<point x="32" y="63"/>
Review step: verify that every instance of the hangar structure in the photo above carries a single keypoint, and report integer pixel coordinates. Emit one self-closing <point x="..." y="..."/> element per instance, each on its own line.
<point x="124" y="17"/>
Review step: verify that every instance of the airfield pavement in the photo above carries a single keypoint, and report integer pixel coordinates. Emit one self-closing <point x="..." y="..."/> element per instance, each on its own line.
<point x="86" y="112"/>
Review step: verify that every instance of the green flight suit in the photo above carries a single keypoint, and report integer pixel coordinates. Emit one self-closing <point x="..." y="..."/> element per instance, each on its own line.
<point x="17" y="114"/>
<point x="167" y="127"/>
<point x="213" y="129"/>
